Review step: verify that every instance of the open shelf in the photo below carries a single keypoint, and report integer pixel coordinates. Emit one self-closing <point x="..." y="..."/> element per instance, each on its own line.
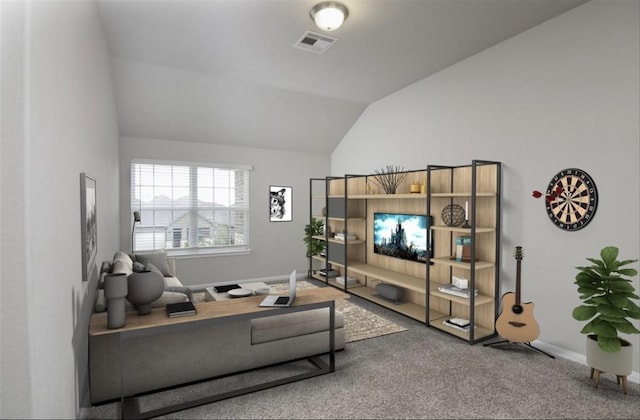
<point x="478" y="299"/>
<point x="437" y="319"/>
<point x="388" y="196"/>
<point x="349" y="204"/>
<point x="461" y="264"/>
<point x="393" y="277"/>
<point x="409" y="309"/>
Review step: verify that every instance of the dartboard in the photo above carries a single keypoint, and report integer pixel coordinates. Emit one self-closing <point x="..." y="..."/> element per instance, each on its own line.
<point x="571" y="199"/>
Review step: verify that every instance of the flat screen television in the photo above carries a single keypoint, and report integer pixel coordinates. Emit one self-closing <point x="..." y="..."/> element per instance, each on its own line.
<point x="401" y="236"/>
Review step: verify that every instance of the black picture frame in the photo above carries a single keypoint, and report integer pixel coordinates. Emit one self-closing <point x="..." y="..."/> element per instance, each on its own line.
<point x="88" y="224"/>
<point x="280" y="203"/>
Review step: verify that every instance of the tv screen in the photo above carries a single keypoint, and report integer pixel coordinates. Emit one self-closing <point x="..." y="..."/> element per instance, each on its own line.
<point x="401" y="236"/>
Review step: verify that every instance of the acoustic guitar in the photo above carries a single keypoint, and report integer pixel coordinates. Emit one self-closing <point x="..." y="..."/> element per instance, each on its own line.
<point x="516" y="322"/>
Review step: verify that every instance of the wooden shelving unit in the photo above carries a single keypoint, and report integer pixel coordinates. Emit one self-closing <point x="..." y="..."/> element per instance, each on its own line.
<point x="351" y="202"/>
<point x="476" y="187"/>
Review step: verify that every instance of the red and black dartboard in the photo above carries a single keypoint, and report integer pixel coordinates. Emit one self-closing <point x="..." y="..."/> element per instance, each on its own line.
<point x="572" y="199"/>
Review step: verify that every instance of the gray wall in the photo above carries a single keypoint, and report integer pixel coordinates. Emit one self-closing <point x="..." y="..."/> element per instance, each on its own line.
<point x="563" y="94"/>
<point x="276" y="247"/>
<point x="58" y="120"/>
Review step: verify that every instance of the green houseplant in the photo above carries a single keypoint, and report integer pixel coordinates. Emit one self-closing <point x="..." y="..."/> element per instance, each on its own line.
<point x="607" y="296"/>
<point x="314" y="228"/>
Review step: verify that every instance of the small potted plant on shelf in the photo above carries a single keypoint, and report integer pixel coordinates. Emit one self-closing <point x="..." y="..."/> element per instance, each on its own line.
<point x="314" y="228"/>
<point x="608" y="296"/>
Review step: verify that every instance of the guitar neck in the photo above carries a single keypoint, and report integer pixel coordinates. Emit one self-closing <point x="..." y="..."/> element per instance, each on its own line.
<point x="518" y="270"/>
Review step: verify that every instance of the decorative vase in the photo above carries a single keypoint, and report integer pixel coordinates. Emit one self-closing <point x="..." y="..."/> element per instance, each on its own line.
<point x="115" y="290"/>
<point x="144" y="288"/>
<point x="414" y="188"/>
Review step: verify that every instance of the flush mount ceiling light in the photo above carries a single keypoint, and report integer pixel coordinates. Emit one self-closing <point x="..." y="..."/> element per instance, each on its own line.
<point x="329" y="15"/>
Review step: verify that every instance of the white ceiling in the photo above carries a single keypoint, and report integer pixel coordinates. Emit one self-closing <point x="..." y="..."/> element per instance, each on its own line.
<point x="225" y="71"/>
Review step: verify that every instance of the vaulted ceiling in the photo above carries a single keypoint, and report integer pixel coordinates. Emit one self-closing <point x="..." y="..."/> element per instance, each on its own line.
<point x="226" y="71"/>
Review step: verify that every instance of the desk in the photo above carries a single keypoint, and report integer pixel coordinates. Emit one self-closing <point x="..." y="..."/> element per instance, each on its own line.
<point x="223" y="311"/>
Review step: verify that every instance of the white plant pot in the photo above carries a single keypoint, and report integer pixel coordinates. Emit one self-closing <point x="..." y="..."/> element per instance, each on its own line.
<point x="619" y="363"/>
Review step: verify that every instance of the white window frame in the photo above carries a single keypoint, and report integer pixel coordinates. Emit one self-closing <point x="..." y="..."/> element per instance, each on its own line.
<point x="236" y="209"/>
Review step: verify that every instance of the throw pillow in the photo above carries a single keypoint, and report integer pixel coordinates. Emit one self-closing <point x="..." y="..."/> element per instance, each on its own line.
<point x="150" y="267"/>
<point x="121" y="255"/>
<point x="121" y="266"/>
<point x="122" y="263"/>
<point x="157" y="258"/>
<point x="138" y="266"/>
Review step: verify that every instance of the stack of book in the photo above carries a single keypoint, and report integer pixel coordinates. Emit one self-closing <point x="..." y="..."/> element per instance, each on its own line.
<point x="344" y="236"/>
<point x="458" y="323"/>
<point x="456" y="291"/>
<point x="350" y="280"/>
<point x="180" y="309"/>
<point x="463" y="248"/>
<point x="328" y="273"/>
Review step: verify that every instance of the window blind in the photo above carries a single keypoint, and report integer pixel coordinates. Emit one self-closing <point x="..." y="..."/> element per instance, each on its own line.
<point x="190" y="208"/>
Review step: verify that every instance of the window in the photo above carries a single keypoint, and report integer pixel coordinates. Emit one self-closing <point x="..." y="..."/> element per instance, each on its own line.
<point x="190" y="208"/>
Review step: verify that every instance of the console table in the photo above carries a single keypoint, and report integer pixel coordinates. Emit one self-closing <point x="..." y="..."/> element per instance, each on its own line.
<point x="158" y="322"/>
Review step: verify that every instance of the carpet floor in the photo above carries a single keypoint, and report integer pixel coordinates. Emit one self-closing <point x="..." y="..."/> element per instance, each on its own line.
<point x="421" y="373"/>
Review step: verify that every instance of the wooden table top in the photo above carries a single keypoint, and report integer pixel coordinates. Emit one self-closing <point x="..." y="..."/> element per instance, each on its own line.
<point x="209" y="310"/>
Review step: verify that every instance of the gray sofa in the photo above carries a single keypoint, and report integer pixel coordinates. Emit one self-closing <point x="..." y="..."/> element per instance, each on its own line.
<point x="122" y="262"/>
<point x="196" y="352"/>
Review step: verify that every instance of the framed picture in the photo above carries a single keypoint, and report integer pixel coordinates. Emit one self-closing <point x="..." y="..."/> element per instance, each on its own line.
<point x="280" y="200"/>
<point x="89" y="224"/>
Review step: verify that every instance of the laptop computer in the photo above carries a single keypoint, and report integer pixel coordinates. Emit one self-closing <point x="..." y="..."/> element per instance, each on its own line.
<point x="282" y="301"/>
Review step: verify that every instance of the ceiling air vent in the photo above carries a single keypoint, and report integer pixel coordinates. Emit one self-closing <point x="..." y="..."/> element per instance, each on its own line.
<point x="314" y="43"/>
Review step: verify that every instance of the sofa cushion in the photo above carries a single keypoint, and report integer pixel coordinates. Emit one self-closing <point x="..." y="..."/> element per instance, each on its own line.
<point x="122" y="263"/>
<point x="277" y="327"/>
<point x="151" y="267"/>
<point x="157" y="258"/>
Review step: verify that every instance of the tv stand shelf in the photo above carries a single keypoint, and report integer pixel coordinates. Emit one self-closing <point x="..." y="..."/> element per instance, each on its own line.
<point x="393" y="254"/>
<point x="410" y="309"/>
<point x="387" y="276"/>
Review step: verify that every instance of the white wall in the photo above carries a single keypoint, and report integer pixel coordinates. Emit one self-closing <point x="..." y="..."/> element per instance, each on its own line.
<point x="563" y="94"/>
<point x="61" y="121"/>
<point x="276" y="247"/>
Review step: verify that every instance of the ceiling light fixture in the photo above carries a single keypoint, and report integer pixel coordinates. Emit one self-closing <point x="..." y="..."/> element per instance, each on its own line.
<point x="329" y="15"/>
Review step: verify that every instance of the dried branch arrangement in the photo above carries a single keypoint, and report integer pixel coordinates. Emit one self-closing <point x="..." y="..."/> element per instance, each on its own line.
<point x="389" y="178"/>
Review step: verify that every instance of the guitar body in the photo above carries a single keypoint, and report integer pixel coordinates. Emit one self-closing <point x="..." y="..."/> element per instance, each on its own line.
<point x="516" y="322"/>
<point x="517" y="327"/>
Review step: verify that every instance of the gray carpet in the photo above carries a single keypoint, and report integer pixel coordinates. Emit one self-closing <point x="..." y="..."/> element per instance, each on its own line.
<point x="420" y="373"/>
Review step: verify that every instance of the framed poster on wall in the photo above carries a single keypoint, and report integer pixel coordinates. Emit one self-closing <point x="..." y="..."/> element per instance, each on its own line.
<point x="88" y="224"/>
<point x="280" y="201"/>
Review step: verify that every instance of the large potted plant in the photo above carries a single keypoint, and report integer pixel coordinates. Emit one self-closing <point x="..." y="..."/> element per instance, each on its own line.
<point x="314" y="228"/>
<point x="608" y="296"/>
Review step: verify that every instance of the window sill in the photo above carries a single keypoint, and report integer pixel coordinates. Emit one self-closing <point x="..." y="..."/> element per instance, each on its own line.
<point x="207" y="253"/>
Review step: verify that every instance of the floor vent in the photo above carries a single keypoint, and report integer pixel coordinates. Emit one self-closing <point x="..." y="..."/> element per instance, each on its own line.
<point x="314" y="43"/>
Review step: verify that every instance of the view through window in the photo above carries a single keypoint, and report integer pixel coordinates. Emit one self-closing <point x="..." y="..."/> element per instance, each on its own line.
<point x="189" y="208"/>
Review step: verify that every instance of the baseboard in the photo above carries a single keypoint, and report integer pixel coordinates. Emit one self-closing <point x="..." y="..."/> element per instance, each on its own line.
<point x="575" y="357"/>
